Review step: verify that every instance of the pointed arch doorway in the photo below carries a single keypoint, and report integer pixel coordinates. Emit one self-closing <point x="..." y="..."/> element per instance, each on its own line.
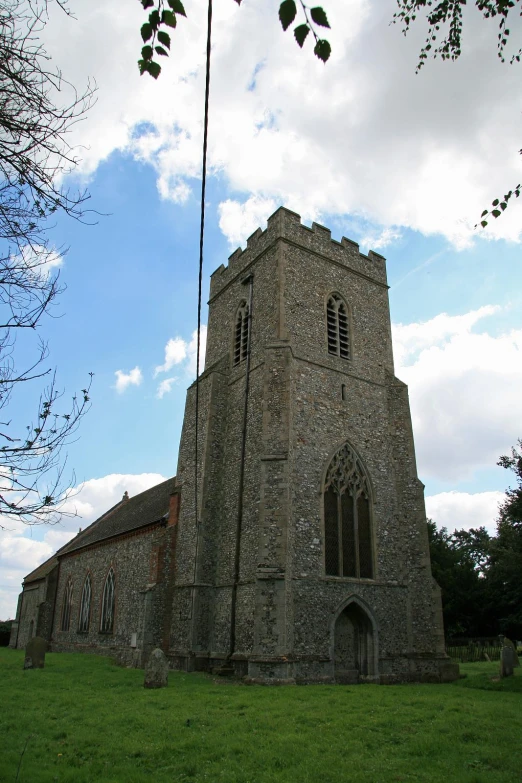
<point x="354" y="645"/>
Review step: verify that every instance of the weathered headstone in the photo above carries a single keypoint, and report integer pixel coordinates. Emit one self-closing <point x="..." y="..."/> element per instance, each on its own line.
<point x="156" y="670"/>
<point x="509" y="643"/>
<point x="35" y="653"/>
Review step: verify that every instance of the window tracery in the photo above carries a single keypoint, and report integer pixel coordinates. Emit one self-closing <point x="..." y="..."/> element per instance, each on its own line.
<point x="337" y="327"/>
<point x="85" y="605"/>
<point x="107" y="610"/>
<point x="67" y="606"/>
<point x="347" y="517"/>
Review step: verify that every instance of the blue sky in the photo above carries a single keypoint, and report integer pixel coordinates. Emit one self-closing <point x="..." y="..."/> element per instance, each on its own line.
<point x="403" y="164"/>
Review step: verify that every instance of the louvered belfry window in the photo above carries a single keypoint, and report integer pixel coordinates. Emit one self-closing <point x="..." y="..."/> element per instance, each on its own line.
<point x="241" y="333"/>
<point x="67" y="606"/>
<point x="107" y="612"/>
<point x="337" y="327"/>
<point x="85" y="606"/>
<point x="347" y="517"/>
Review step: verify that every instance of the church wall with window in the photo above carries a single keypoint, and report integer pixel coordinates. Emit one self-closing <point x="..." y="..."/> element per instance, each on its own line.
<point x="130" y="572"/>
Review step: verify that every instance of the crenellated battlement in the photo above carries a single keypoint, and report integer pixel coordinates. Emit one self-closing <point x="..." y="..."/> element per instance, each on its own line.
<point x="286" y="225"/>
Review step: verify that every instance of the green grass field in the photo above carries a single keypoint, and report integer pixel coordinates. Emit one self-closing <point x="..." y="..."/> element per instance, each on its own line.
<point x="83" y="719"/>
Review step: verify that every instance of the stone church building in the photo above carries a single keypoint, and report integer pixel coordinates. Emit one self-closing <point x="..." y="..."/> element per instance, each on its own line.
<point x="298" y="550"/>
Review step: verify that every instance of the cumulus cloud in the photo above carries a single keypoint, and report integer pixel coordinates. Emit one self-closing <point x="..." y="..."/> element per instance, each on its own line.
<point x="464" y="510"/>
<point x="364" y="136"/>
<point x="184" y="353"/>
<point x="124" y="380"/>
<point x="464" y="391"/>
<point x="21" y="552"/>
<point x="237" y="221"/>
<point x="175" y="352"/>
<point x="165" y="387"/>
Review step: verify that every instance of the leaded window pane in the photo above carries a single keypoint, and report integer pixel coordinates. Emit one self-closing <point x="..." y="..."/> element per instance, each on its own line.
<point x="107" y="616"/>
<point x="365" y="539"/>
<point x="348" y="536"/>
<point x="85" y="606"/>
<point x="67" y="606"/>
<point x="331" y="533"/>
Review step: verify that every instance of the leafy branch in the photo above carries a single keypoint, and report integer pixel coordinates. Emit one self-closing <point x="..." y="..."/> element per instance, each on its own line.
<point x="165" y="13"/>
<point x="287" y="14"/>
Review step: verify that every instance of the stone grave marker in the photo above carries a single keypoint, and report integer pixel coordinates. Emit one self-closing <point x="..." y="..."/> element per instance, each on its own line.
<point x="35" y="653"/>
<point x="156" y="670"/>
<point x="509" y="643"/>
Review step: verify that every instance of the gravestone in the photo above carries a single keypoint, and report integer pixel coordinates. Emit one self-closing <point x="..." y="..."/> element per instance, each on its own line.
<point x="509" y="643"/>
<point x="156" y="670"/>
<point x="35" y="653"/>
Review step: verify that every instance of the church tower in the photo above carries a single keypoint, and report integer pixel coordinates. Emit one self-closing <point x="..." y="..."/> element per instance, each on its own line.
<point x="306" y="558"/>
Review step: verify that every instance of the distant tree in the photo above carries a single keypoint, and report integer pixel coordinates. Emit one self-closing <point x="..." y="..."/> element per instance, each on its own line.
<point x="457" y="561"/>
<point x="505" y="569"/>
<point x="34" y="159"/>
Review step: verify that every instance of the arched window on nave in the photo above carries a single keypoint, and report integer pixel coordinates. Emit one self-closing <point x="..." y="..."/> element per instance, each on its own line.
<point x="108" y="600"/>
<point x="67" y="606"/>
<point x="85" y="605"/>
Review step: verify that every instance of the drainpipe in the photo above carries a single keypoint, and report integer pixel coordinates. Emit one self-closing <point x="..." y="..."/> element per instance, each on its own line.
<point x="249" y="280"/>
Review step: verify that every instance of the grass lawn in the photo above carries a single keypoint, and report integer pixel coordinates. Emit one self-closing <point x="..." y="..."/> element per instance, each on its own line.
<point x="86" y="720"/>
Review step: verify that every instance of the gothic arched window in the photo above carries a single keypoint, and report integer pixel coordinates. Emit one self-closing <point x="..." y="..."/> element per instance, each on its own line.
<point x="347" y="517"/>
<point x="241" y="333"/>
<point x="337" y="327"/>
<point x="67" y="606"/>
<point x="85" y="606"/>
<point x="107" y="609"/>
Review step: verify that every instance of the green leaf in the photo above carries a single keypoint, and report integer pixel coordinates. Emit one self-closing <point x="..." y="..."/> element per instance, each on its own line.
<point x="483" y="223"/>
<point x="177" y="7"/>
<point x="287" y="12"/>
<point x="300" y="34"/>
<point x="169" y="18"/>
<point x="164" y="38"/>
<point x="146" y="31"/>
<point x="319" y="16"/>
<point x="154" y="69"/>
<point x="154" y="19"/>
<point x="147" y="3"/>
<point x="322" y="50"/>
<point x="484" y="213"/>
<point x="161" y="50"/>
<point x="503" y="205"/>
<point x="495" y="203"/>
<point x="146" y="52"/>
<point x="496" y="213"/>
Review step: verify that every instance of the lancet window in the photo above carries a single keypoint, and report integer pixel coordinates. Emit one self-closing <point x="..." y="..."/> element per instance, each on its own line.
<point x="85" y="605"/>
<point x="337" y="327"/>
<point x="107" y="609"/>
<point x="347" y="517"/>
<point x="241" y="333"/>
<point x="67" y="606"/>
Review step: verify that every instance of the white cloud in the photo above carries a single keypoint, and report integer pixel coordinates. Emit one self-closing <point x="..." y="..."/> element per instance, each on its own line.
<point x="464" y="510"/>
<point x="237" y="221"/>
<point x="375" y="240"/>
<point x="464" y="391"/>
<point x="165" y="387"/>
<point x="364" y="135"/>
<point x="21" y="553"/>
<point x="180" y="351"/>
<point x="175" y="352"/>
<point x="124" y="380"/>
